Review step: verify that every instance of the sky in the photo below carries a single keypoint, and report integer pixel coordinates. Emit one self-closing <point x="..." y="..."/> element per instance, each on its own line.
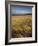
<point x="21" y="9"/>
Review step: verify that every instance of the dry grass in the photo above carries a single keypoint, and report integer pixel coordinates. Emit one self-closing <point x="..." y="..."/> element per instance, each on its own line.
<point x="21" y="26"/>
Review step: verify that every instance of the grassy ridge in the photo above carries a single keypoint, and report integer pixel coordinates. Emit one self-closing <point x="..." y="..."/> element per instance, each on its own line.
<point x="21" y="26"/>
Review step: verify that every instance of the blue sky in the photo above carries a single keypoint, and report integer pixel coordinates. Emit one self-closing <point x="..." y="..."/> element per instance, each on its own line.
<point x="21" y="9"/>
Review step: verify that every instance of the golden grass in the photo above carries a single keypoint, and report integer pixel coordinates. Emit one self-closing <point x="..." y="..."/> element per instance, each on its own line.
<point x="21" y="25"/>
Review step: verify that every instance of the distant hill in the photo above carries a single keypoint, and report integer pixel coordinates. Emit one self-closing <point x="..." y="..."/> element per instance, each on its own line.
<point x="22" y="14"/>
